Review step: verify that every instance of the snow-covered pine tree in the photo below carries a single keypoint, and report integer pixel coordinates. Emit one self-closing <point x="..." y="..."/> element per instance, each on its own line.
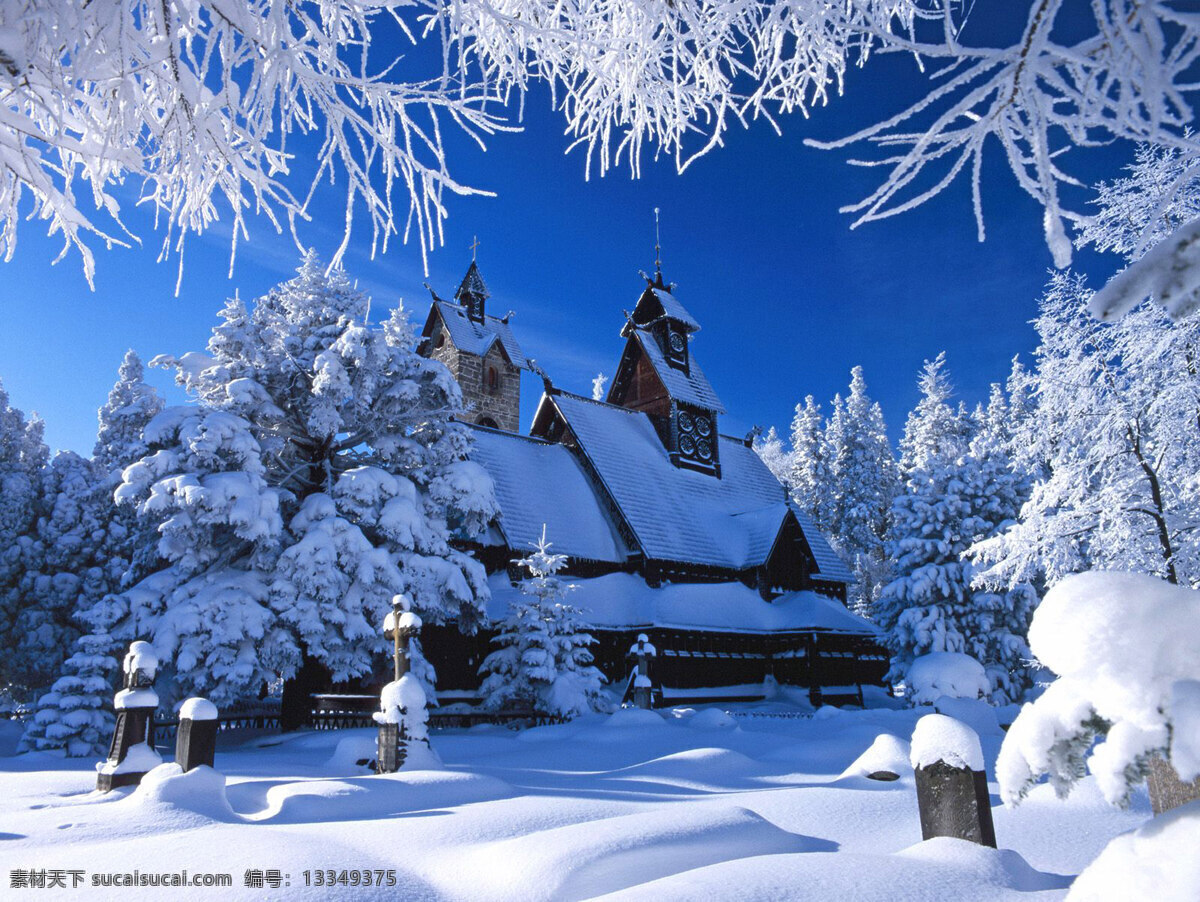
<point x="934" y="431"/>
<point x="778" y="459"/>
<point x="862" y="483"/>
<point x="808" y="480"/>
<point x="316" y="474"/>
<point x="925" y="608"/>
<point x="23" y="455"/>
<point x="62" y="572"/>
<point x="998" y="621"/>
<point x="89" y="546"/>
<point x="542" y="662"/>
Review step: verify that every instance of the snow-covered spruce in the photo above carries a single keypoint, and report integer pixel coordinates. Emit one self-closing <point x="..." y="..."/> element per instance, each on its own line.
<point x="862" y="484"/>
<point x="1126" y="648"/>
<point x="315" y="474"/>
<point x="958" y="491"/>
<point x="87" y="549"/>
<point x="543" y="663"/>
<point x="842" y="473"/>
<point x="23" y="454"/>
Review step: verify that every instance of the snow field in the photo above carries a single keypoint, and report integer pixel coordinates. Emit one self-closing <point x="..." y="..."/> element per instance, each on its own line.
<point x="684" y="804"/>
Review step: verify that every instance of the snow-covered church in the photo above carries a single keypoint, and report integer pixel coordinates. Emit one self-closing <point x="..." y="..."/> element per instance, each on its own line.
<point x="672" y="529"/>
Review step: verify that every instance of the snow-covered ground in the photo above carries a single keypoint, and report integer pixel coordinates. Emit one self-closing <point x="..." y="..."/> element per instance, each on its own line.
<point x="680" y="804"/>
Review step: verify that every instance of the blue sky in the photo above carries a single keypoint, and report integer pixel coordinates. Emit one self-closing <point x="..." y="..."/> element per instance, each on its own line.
<point x="788" y="296"/>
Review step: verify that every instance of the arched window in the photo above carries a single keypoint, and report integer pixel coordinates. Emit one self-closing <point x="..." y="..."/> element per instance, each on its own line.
<point x="491" y="379"/>
<point x="440" y="341"/>
<point x="489" y="422"/>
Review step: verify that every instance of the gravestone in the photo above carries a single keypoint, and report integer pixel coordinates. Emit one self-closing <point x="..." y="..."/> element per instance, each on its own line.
<point x="952" y="793"/>
<point x="131" y="754"/>
<point x="196" y="738"/>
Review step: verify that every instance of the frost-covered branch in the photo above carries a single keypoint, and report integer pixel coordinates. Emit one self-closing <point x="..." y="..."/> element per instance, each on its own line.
<point x="234" y="108"/>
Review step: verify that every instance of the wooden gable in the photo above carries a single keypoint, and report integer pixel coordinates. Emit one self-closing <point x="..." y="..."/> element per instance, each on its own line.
<point x="637" y="386"/>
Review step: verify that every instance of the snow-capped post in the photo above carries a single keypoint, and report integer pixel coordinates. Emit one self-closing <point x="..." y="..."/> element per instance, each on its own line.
<point x="132" y="753"/>
<point x="402" y="714"/>
<point x="642" y="685"/>
<point x="400" y="626"/>
<point x="952" y="792"/>
<point x="196" y="738"/>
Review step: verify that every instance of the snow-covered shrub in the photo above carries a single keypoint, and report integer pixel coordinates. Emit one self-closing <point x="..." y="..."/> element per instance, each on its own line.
<point x="945" y="674"/>
<point x="1126" y="648"/>
<point x="543" y="661"/>
<point x="315" y="474"/>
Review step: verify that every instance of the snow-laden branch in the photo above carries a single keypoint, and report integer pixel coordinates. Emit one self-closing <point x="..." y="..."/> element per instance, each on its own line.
<point x="1169" y="273"/>
<point x="234" y="108"/>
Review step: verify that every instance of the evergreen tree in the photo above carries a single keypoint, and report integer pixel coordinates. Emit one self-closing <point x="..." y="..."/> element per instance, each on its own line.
<point x="923" y="610"/>
<point x="934" y="431"/>
<point x="778" y="459"/>
<point x="862" y="483"/>
<point x="543" y="661"/>
<point x="809" y="479"/>
<point x="88" y="551"/>
<point x="62" y="568"/>
<point x="23" y="455"/>
<point x="316" y="474"/>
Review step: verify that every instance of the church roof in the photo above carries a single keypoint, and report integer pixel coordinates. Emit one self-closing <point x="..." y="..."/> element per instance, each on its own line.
<point x="542" y="483"/>
<point x="674" y="309"/>
<point x="478" y="338"/>
<point x="677" y="514"/>
<point x="691" y="387"/>
<point x="623" y="601"/>
<point x="829" y="565"/>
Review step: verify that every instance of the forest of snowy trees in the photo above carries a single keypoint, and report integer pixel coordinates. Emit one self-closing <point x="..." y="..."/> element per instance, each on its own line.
<point x="1084" y="461"/>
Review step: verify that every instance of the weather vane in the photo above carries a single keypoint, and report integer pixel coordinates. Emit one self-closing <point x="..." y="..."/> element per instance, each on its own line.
<point x="657" y="250"/>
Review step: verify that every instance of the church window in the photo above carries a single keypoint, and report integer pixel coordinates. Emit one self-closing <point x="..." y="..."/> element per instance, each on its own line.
<point x="440" y="341"/>
<point x="492" y="379"/>
<point x="676" y="342"/>
<point x="489" y="422"/>
<point x="703" y="426"/>
<point x="685" y="421"/>
<point x="704" y="449"/>
<point x="687" y="445"/>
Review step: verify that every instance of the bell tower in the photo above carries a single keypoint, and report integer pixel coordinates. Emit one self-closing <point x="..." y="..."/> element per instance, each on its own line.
<point x="480" y="351"/>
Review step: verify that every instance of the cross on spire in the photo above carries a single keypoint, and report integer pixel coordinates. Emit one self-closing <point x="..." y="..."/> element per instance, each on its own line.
<point x="474" y="246"/>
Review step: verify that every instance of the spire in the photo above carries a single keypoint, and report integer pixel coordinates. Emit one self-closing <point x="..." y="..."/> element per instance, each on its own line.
<point x="472" y="293"/>
<point x="658" y="277"/>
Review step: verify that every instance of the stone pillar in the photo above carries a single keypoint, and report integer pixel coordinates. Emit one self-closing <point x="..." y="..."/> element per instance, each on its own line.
<point x="952" y="792"/>
<point x="643" y="687"/>
<point x="400" y="626"/>
<point x="196" y="738"/>
<point x="1167" y="791"/>
<point x="131" y="754"/>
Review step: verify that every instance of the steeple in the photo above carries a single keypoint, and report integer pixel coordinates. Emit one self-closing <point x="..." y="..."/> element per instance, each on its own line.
<point x="472" y="293"/>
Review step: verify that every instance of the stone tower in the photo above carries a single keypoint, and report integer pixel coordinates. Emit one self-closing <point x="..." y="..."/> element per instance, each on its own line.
<point x="480" y="351"/>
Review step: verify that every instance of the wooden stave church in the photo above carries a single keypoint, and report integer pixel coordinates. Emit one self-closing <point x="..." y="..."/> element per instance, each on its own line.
<point x="700" y="548"/>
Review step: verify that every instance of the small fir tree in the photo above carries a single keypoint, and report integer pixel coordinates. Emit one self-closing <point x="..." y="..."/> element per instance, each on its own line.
<point x="543" y="661"/>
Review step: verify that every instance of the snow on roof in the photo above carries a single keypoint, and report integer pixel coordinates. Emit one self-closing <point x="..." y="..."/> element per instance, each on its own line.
<point x="542" y="483"/>
<point x="674" y="309"/>
<point x="678" y="514"/>
<point x="691" y="387"/>
<point x="478" y="338"/>
<point x="829" y="565"/>
<point x="624" y="601"/>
